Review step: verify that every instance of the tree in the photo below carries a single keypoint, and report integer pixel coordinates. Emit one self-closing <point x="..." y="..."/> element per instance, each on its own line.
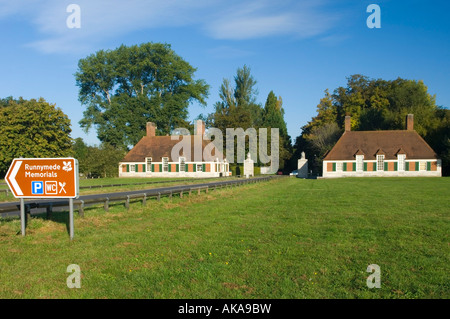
<point x="102" y="161"/>
<point x="323" y="138"/>
<point x="97" y="161"/>
<point x="80" y="152"/>
<point x="245" y="94"/>
<point x="273" y="117"/>
<point x="238" y="107"/>
<point x="32" y="128"/>
<point x="375" y="104"/>
<point x="125" y="88"/>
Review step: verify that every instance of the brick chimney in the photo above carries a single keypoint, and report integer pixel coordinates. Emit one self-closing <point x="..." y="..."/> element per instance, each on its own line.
<point x="348" y="123"/>
<point x="151" y="129"/>
<point x="199" y="127"/>
<point x="410" y="122"/>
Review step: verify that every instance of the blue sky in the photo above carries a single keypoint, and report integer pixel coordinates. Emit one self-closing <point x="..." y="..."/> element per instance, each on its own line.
<point x="295" y="48"/>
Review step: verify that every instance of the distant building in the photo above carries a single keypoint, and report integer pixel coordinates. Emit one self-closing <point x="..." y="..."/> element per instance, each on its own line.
<point x="381" y="153"/>
<point x="152" y="157"/>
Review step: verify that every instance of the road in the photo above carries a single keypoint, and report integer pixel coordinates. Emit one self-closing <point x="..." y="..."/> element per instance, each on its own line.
<point x="12" y="209"/>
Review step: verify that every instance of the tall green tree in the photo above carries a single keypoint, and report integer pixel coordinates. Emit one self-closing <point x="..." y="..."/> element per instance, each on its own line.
<point x="102" y="161"/>
<point x="125" y="88"/>
<point x="237" y="106"/>
<point x="32" y="128"/>
<point x="80" y="151"/>
<point x="246" y="94"/>
<point x="273" y="117"/>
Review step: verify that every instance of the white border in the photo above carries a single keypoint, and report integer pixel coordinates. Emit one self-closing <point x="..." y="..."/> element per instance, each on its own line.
<point x="75" y="172"/>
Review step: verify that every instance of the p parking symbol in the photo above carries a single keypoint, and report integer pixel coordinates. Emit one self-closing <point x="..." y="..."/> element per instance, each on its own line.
<point x="37" y="188"/>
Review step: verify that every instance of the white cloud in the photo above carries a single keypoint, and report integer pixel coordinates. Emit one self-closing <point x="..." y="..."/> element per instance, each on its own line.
<point x="102" y="20"/>
<point x="256" y="19"/>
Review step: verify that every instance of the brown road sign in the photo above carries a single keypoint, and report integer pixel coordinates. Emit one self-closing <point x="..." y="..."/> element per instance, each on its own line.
<point x="43" y="178"/>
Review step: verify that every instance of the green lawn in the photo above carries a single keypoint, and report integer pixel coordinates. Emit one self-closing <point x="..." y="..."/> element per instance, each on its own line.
<point x="288" y="238"/>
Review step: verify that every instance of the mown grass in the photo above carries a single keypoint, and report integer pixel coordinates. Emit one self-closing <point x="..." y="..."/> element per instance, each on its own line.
<point x="288" y="238"/>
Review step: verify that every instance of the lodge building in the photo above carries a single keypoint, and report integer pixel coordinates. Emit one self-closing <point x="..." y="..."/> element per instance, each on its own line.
<point x="381" y="153"/>
<point x="152" y="157"/>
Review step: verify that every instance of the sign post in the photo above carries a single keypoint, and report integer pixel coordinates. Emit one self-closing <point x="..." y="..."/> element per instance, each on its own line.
<point x="22" y="216"/>
<point x="44" y="178"/>
<point x="71" y="231"/>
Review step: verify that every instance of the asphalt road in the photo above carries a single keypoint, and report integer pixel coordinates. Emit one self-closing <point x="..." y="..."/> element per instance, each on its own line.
<point x="10" y="209"/>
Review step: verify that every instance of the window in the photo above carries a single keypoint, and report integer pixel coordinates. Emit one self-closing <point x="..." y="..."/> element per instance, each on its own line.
<point x="359" y="163"/>
<point x="165" y="164"/>
<point x="132" y="168"/>
<point x="380" y="162"/>
<point x="199" y="168"/>
<point x="149" y="164"/>
<point x="423" y="166"/>
<point x="182" y="164"/>
<point x="401" y="162"/>
<point x="339" y="166"/>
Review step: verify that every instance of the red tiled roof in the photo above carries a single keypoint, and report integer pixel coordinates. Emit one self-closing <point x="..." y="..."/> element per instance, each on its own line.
<point x="390" y="143"/>
<point x="158" y="147"/>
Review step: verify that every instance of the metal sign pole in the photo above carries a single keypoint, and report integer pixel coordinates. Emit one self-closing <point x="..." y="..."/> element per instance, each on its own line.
<point x="22" y="215"/>
<point x="71" y="218"/>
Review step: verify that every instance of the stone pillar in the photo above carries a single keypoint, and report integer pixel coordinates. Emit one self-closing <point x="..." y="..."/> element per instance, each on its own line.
<point x="302" y="167"/>
<point x="248" y="166"/>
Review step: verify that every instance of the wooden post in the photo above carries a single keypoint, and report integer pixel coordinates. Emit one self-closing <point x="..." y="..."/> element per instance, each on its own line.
<point x="49" y="211"/>
<point x="106" y="206"/>
<point x="27" y="213"/>
<point x="127" y="203"/>
<point x="81" y="208"/>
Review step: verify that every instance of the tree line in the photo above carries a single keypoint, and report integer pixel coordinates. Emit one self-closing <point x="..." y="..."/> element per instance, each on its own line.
<point x="123" y="89"/>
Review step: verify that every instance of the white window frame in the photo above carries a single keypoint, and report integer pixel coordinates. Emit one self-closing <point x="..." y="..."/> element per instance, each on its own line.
<point x="422" y="166"/>
<point x="132" y="168"/>
<point x="199" y="167"/>
<point x="359" y="163"/>
<point x="339" y="166"/>
<point x="380" y="159"/>
<point x="401" y="162"/>
<point x="182" y="164"/>
<point x="148" y="162"/>
<point x="165" y="164"/>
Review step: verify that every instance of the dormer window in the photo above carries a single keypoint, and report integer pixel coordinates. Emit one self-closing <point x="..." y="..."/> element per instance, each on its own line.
<point x="165" y="161"/>
<point x="401" y="161"/>
<point x="182" y="164"/>
<point x="359" y="163"/>
<point x="380" y="162"/>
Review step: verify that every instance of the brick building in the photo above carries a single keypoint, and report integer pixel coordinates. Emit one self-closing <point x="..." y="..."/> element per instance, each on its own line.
<point x="381" y="153"/>
<point x="152" y="157"/>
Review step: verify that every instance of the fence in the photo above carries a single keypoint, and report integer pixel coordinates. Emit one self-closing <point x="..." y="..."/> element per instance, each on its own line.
<point x="7" y="191"/>
<point x="106" y="199"/>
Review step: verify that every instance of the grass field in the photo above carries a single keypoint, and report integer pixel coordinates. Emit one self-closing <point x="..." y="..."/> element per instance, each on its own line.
<point x="288" y="238"/>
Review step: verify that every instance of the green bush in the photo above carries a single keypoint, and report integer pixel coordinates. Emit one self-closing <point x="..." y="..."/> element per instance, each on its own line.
<point x="238" y="169"/>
